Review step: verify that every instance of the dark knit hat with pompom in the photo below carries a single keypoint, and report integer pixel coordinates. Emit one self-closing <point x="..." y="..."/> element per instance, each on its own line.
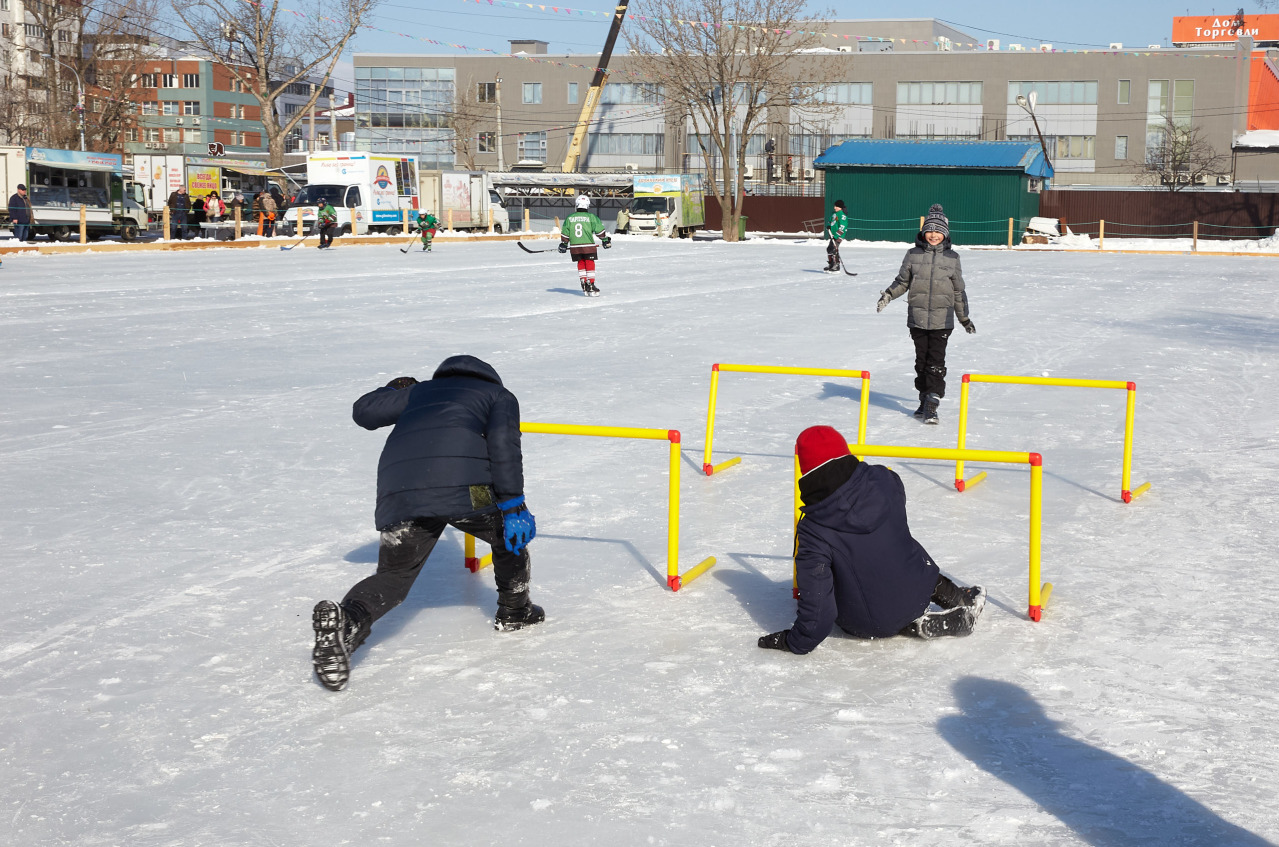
<point x="936" y="221"/>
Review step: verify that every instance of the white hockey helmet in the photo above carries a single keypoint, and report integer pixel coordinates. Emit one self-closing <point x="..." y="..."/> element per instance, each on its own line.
<point x="583" y="202"/>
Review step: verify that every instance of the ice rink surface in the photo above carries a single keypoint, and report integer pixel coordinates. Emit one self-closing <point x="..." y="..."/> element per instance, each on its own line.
<point x="182" y="482"/>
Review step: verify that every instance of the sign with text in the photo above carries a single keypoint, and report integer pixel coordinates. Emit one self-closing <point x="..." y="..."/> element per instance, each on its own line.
<point x="1224" y="29"/>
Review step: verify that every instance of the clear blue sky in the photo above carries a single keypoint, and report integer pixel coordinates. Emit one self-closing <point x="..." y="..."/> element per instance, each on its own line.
<point x="1078" y="25"/>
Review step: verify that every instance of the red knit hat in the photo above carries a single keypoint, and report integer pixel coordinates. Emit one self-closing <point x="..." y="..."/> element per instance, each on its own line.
<point x="817" y="445"/>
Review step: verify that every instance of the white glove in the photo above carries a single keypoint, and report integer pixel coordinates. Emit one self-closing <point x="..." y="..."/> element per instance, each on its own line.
<point x="884" y="300"/>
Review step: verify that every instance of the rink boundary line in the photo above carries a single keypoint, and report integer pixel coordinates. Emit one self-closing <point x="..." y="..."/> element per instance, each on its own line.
<point x="1216" y="253"/>
<point x="165" y="246"/>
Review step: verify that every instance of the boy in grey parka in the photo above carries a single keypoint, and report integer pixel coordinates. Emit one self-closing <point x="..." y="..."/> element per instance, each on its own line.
<point x="933" y="281"/>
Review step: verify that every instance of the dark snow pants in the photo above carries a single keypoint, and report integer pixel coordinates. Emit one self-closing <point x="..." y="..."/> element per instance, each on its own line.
<point x="930" y="359"/>
<point x="405" y="548"/>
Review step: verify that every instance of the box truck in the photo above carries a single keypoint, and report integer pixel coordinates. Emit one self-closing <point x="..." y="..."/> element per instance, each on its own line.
<point x="161" y="174"/>
<point x="667" y="204"/>
<point x="467" y="196"/>
<point x="370" y="192"/>
<point x="59" y="182"/>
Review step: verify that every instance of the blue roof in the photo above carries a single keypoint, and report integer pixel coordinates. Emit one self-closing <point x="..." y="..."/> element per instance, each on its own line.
<point x="909" y="153"/>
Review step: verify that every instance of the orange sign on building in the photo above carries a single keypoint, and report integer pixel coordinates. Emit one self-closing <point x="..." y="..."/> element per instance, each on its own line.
<point x="1224" y="29"/>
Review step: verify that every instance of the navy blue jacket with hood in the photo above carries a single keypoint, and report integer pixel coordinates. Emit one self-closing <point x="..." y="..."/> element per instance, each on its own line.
<point x="857" y="564"/>
<point x="457" y="430"/>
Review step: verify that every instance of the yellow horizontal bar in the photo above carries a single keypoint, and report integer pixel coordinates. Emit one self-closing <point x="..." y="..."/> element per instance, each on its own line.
<point x="1045" y="593"/>
<point x="948" y="453"/>
<point x="602" y="431"/>
<point x="736" y="460"/>
<point x="769" y="369"/>
<point x="697" y="570"/>
<point x="1140" y="490"/>
<point x="1048" y="380"/>
<point x="485" y="561"/>
<point x="969" y="483"/>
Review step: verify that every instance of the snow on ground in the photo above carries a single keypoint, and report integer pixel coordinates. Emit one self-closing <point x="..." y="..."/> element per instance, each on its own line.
<point x="183" y="482"/>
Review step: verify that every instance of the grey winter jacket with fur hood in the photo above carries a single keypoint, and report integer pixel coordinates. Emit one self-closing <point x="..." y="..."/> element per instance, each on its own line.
<point x="935" y="283"/>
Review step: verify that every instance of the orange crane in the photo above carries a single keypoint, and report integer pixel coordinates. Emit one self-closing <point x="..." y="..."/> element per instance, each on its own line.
<point x="593" y="93"/>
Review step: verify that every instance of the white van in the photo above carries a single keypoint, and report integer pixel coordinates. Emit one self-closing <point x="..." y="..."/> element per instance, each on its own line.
<point x="370" y="191"/>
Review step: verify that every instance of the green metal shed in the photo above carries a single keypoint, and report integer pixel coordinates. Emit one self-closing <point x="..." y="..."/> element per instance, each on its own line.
<point x="887" y="185"/>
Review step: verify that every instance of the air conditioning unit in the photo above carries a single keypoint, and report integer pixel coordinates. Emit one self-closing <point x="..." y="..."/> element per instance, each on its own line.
<point x="1183" y="179"/>
<point x="632" y="167"/>
<point x="844" y="49"/>
<point x="808" y="173"/>
<point x="195" y="121"/>
<point x="992" y="44"/>
<point x="1201" y="179"/>
<point x="178" y="121"/>
<point x="748" y="172"/>
<point x="777" y="171"/>
<point x="1045" y="48"/>
<point x="1223" y="180"/>
<point x="1153" y="47"/>
<point x="1116" y="45"/>
<point x="156" y="145"/>
<point x="1016" y="48"/>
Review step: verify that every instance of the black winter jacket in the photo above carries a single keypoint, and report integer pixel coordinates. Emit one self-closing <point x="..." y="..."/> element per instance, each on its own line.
<point x="179" y="202"/>
<point x="933" y="281"/>
<point x="460" y="429"/>
<point x="856" y="562"/>
<point x="19" y="209"/>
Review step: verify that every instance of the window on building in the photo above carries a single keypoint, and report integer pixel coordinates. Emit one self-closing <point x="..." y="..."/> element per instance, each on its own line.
<point x="487" y="142"/>
<point x="532" y="146"/>
<point x="631" y="144"/>
<point x="1074" y="93"/>
<point x="532" y="92"/>
<point x="1125" y="91"/>
<point x="169" y="80"/>
<point x="4" y="30"/>
<point x="1075" y="146"/>
<point x="572" y="93"/>
<point x="172" y="136"/>
<point x="4" y="5"/>
<point x="169" y="107"/>
<point x="150" y="107"/>
<point x="152" y="135"/>
<point x="64" y="36"/>
<point x="1183" y="100"/>
<point x="66" y="86"/>
<point x="190" y="80"/>
<point x="1121" y="147"/>
<point x="147" y="81"/>
<point x="631" y="93"/>
<point x="486" y="92"/>
<point x="190" y="107"/>
<point x="132" y="134"/>
<point x="33" y="31"/>
<point x="938" y="93"/>
<point x="844" y="93"/>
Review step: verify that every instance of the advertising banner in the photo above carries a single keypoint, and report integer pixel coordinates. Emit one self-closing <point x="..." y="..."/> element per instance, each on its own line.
<point x="1224" y="29"/>
<point x="202" y="180"/>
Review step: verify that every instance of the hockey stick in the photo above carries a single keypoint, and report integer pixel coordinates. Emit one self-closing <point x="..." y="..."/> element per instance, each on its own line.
<point x="294" y="244"/>
<point x="410" y="247"/>
<point x="845" y="269"/>
<point x="527" y="250"/>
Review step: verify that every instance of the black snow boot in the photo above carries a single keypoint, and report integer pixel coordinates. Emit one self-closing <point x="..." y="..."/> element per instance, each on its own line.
<point x="338" y="631"/>
<point x="957" y="621"/>
<point x="508" y="620"/>
<point x="931" y="402"/>
<point x="923" y="401"/>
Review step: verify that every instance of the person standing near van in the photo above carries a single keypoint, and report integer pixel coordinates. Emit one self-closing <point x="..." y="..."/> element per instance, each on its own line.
<point x="179" y="207"/>
<point x="20" y="214"/>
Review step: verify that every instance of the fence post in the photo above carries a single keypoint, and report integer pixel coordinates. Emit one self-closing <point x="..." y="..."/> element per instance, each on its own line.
<point x="1010" y="232"/>
<point x="557" y="224"/>
<point x="405" y="212"/>
<point x="1194" y="247"/>
<point x="490" y="218"/>
<point x="526" y="229"/>
<point x="84" y="228"/>
<point x="1101" y="236"/>
<point x="355" y="230"/>
<point x="165" y="237"/>
<point x="921" y="221"/>
<point x="450" y="220"/>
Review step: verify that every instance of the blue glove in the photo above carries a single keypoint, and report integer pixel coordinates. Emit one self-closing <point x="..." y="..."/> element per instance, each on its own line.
<point x="519" y="527"/>
<point x="608" y="242"/>
<point x="563" y="246"/>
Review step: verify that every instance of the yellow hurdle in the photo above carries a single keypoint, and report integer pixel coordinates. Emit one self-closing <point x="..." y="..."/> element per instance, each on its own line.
<point x="710" y="469"/>
<point x="673" y="577"/>
<point x="1039" y="593"/>
<point x="1127" y="493"/>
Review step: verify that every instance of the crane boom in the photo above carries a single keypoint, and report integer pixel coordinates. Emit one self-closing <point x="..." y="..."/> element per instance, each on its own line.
<point x="593" y="93"/>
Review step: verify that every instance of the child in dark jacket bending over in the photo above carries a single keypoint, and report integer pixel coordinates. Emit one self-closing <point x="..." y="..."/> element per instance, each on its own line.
<point x="856" y="562"/>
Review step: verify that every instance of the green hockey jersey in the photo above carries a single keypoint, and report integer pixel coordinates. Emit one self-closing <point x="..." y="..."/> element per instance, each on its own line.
<point x="580" y="228"/>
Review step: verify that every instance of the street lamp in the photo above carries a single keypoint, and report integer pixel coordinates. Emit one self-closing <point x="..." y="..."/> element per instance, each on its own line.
<point x="1029" y="105"/>
<point x="497" y="99"/>
<point x="79" y="94"/>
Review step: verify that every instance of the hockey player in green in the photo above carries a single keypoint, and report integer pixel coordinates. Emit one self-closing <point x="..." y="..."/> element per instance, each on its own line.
<point x="835" y="231"/>
<point x="327" y="222"/>
<point x="577" y="237"/>
<point x="427" y="224"/>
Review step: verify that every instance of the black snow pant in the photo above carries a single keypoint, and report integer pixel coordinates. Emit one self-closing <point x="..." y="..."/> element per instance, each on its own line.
<point x="405" y="548"/>
<point x="326" y="235"/>
<point x="832" y="253"/>
<point x="930" y="359"/>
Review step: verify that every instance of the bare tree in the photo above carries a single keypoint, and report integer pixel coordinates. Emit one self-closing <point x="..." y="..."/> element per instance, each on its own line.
<point x="1178" y="156"/>
<point x="267" y="49"/>
<point x="727" y="77"/>
<point x="467" y="116"/>
<point x="118" y="43"/>
<point x="22" y="109"/>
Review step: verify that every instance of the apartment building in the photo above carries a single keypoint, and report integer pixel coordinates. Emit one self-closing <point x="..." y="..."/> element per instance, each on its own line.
<point x="1099" y="112"/>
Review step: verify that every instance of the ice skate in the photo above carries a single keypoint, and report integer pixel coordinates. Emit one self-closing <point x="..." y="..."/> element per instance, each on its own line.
<point x="509" y="620"/>
<point x="591" y="290"/>
<point x="958" y="621"/>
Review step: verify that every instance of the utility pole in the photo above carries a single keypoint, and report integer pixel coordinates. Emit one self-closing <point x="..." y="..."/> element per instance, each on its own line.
<point x="311" y="144"/>
<point x="497" y="97"/>
<point x="333" y="125"/>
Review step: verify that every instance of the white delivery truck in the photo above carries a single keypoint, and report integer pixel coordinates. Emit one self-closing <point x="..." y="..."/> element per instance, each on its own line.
<point x="667" y="204"/>
<point x="161" y="174"/>
<point x="464" y="199"/>
<point x="369" y="191"/>
<point x="59" y="182"/>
